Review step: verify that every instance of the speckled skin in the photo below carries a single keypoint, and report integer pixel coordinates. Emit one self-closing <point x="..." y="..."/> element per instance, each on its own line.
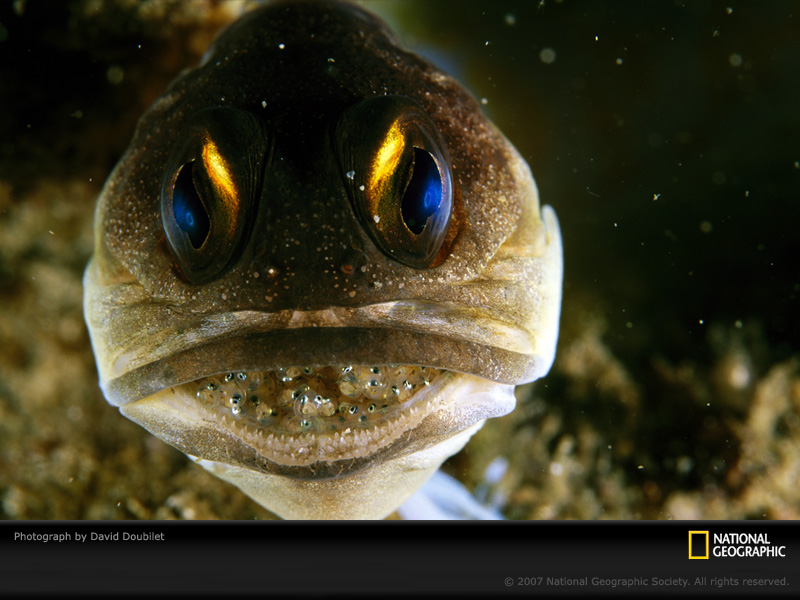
<point x="488" y="310"/>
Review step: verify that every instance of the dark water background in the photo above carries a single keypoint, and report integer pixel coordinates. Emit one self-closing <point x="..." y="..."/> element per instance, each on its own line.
<point x="665" y="134"/>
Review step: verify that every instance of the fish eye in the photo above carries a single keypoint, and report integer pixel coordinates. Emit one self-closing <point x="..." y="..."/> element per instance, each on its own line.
<point x="397" y="173"/>
<point x="423" y="196"/>
<point x="190" y="214"/>
<point x="210" y="188"/>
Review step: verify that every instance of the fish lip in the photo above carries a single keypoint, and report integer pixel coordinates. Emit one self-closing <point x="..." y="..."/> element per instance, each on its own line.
<point x="458" y="402"/>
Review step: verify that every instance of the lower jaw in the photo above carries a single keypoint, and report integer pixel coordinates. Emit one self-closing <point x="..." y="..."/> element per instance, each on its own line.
<point x="372" y="493"/>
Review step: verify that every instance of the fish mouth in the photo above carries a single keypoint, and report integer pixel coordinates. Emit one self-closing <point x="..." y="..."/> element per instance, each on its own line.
<point x="312" y="422"/>
<point x="302" y="415"/>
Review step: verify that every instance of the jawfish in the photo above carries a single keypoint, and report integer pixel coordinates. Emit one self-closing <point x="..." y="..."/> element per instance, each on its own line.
<point x="318" y="267"/>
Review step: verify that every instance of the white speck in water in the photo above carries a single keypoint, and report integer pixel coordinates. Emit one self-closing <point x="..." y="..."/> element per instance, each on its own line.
<point x="706" y="227"/>
<point x="700" y="321"/>
<point x="484" y="101"/>
<point x="510" y="19"/>
<point x="656" y="196"/>
<point x="556" y="469"/>
<point x="350" y="174"/>
<point x="224" y="296"/>
<point x="739" y="375"/>
<point x="619" y="61"/>
<point x="738" y="324"/>
<point x="685" y="464"/>
<point x="735" y="59"/>
<point x="263" y="104"/>
<point x="362" y="188"/>
<point x="115" y="74"/>
<point x="376" y="218"/>
<point x="547" y="56"/>
<point x="281" y="45"/>
<point x="729" y="10"/>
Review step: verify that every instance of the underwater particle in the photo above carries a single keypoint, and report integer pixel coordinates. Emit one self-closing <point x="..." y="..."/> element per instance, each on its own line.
<point x="547" y="56"/>
<point x="115" y="74"/>
<point x="739" y="375"/>
<point x="706" y="227"/>
<point x="735" y="59"/>
<point x="685" y="464"/>
<point x="510" y="19"/>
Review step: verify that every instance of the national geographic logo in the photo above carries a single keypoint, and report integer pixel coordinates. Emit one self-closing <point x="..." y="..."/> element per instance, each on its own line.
<point x="698" y="545"/>
<point x="732" y="545"/>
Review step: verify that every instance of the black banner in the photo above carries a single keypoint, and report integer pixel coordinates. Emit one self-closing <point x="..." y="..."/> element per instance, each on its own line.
<point x="713" y="558"/>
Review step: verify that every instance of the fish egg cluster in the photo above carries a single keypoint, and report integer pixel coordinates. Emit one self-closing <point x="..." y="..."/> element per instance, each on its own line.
<point x="296" y="400"/>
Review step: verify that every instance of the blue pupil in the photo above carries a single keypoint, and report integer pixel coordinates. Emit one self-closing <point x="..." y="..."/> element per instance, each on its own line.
<point x="423" y="194"/>
<point x="190" y="214"/>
